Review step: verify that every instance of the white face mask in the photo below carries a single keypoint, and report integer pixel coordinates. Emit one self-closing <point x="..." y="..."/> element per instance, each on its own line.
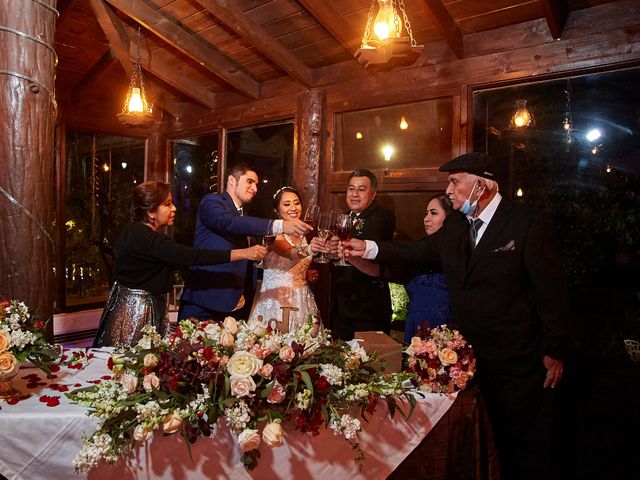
<point x="467" y="207"/>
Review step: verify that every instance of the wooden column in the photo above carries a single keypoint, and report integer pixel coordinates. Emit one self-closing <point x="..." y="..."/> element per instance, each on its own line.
<point x="27" y="118"/>
<point x="157" y="156"/>
<point x="309" y="137"/>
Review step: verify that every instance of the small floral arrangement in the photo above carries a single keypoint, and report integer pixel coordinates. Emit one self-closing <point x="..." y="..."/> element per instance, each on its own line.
<point x="442" y="359"/>
<point x="257" y="380"/>
<point x="358" y="225"/>
<point x="22" y="340"/>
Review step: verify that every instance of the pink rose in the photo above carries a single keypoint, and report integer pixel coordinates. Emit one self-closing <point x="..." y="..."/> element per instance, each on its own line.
<point x="277" y="394"/>
<point x="286" y="353"/>
<point x="242" y="386"/>
<point x="272" y="434"/>
<point x="231" y="325"/>
<point x="448" y="356"/>
<point x="266" y="371"/>
<point x="8" y="364"/>
<point x="249" y="440"/>
<point x="5" y="341"/>
<point x="129" y="382"/>
<point x="150" y="360"/>
<point x="171" y="423"/>
<point x="227" y="339"/>
<point x="150" y="382"/>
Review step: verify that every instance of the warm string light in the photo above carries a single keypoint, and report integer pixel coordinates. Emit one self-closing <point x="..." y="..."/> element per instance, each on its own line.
<point x="522" y="117"/>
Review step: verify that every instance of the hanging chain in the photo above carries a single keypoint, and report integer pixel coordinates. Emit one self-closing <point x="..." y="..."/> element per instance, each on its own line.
<point x="367" y="29"/>
<point x="407" y="23"/>
<point x="396" y="17"/>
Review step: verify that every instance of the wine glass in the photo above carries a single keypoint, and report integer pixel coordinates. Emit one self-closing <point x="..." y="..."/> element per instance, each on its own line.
<point x="334" y="230"/>
<point x="267" y="241"/>
<point x="310" y="217"/>
<point x="343" y="226"/>
<point x="324" y="230"/>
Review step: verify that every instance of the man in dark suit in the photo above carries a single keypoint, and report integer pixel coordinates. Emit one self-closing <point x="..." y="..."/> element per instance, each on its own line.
<point x="216" y="291"/>
<point x="360" y="302"/>
<point x="509" y="298"/>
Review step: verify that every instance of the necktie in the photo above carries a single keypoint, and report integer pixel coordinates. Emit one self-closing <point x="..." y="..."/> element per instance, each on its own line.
<point x="474" y="227"/>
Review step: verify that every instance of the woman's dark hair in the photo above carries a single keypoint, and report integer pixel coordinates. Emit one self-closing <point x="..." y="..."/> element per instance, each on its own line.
<point x="147" y="197"/>
<point x="444" y="201"/>
<point x="278" y="195"/>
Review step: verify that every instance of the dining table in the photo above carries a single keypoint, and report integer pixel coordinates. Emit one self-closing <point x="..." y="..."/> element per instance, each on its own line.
<point x="41" y="432"/>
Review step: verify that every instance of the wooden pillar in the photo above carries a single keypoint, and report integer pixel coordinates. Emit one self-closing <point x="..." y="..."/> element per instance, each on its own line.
<point x="27" y="118"/>
<point x="156" y="163"/>
<point x="310" y="135"/>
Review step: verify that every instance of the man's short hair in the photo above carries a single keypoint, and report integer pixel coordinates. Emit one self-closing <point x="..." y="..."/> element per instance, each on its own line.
<point x="363" y="172"/>
<point x="237" y="170"/>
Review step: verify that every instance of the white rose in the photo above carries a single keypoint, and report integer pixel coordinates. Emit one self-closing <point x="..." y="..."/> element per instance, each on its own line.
<point x="249" y="440"/>
<point x="150" y="382"/>
<point x="129" y="382"/>
<point x="257" y="328"/>
<point x="150" y="360"/>
<point x="272" y="434"/>
<point x="244" y="364"/>
<point x="141" y="433"/>
<point x="212" y="330"/>
<point x="242" y="386"/>
<point x="5" y="341"/>
<point x="231" y="325"/>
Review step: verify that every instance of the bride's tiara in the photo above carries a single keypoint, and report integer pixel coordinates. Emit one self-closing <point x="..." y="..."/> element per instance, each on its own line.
<point x="281" y="189"/>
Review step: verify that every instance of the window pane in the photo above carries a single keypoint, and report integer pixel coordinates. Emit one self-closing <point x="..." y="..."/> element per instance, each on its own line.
<point x="269" y="150"/>
<point x="195" y="173"/>
<point x="415" y="135"/>
<point x="580" y="160"/>
<point x="101" y="172"/>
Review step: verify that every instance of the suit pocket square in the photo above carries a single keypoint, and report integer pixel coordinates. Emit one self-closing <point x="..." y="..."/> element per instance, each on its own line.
<point x="509" y="247"/>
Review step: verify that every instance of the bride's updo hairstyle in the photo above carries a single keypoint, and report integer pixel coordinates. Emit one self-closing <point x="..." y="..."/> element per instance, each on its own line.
<point x="147" y="197"/>
<point x="278" y="195"/>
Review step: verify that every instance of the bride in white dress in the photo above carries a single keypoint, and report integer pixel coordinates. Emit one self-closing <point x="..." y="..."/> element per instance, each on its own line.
<point x="284" y="282"/>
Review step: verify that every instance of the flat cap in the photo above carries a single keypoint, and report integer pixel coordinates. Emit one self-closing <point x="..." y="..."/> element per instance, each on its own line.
<point x="476" y="163"/>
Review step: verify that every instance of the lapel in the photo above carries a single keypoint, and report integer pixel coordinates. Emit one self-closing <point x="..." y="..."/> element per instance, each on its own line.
<point x="228" y="201"/>
<point x="455" y="242"/>
<point x="363" y="217"/>
<point x="496" y="225"/>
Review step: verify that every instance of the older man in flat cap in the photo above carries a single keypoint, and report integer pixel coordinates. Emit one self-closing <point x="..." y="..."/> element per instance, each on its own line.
<point x="508" y="296"/>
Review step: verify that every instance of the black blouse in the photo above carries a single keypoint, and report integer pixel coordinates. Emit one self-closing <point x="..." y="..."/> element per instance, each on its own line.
<point x="145" y="258"/>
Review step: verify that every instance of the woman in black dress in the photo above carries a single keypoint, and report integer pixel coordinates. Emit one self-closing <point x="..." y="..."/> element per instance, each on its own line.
<point x="145" y="259"/>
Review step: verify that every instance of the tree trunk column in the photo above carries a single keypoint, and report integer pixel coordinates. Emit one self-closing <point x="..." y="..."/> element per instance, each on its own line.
<point x="310" y="136"/>
<point x="27" y="121"/>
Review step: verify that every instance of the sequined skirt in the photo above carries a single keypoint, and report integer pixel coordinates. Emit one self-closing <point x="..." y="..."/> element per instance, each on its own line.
<point x="127" y="311"/>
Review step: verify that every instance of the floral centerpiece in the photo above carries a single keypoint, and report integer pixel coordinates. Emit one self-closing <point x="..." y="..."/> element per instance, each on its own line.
<point x="442" y="359"/>
<point x="21" y="340"/>
<point x="257" y="381"/>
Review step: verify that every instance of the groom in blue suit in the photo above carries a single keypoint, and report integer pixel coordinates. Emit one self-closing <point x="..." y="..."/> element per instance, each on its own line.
<point x="217" y="291"/>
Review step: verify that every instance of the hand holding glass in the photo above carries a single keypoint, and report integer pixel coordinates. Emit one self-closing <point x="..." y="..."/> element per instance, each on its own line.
<point x="343" y="227"/>
<point x="324" y="230"/>
<point x="267" y="241"/>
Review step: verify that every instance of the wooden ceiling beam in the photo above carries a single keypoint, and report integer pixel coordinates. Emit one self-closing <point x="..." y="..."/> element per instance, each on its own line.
<point x="231" y="15"/>
<point x="177" y="37"/>
<point x="91" y="77"/>
<point x="556" y="14"/>
<point x="446" y="26"/>
<point x="120" y="44"/>
<point x="334" y="23"/>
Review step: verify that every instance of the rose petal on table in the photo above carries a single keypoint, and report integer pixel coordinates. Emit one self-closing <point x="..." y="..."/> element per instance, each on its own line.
<point x="53" y="401"/>
<point x="106" y="377"/>
<point x="55" y="368"/>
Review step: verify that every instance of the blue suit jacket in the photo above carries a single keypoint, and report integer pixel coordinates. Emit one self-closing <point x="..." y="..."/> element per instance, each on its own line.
<point x="219" y="225"/>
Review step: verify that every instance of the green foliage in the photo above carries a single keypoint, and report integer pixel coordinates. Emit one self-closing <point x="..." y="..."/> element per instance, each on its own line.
<point x="399" y="301"/>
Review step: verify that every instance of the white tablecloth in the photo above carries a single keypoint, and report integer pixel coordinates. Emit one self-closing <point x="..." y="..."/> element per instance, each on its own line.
<point x="39" y="441"/>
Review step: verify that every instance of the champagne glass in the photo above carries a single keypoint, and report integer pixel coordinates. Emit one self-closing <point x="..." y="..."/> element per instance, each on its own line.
<point x="310" y="217"/>
<point x="343" y="224"/>
<point x="324" y="230"/>
<point x="267" y="241"/>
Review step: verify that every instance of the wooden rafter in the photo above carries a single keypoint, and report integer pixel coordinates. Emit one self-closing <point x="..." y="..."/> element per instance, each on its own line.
<point x="556" y="13"/>
<point x="191" y="46"/>
<point x="120" y="44"/>
<point x="231" y="15"/>
<point x="448" y="28"/>
<point x="335" y="23"/>
<point x="91" y="77"/>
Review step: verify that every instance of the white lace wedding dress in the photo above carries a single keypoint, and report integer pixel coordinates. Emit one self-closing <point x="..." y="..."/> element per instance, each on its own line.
<point x="284" y="284"/>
